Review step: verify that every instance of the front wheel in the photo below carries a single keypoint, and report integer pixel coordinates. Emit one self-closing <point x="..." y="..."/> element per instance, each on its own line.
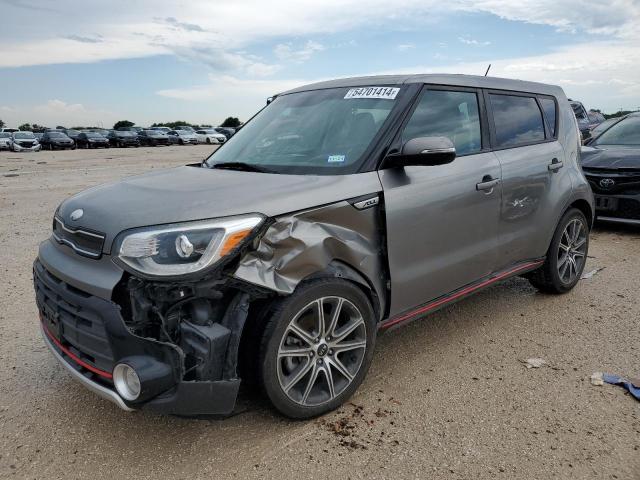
<point x="566" y="257"/>
<point x="317" y="347"/>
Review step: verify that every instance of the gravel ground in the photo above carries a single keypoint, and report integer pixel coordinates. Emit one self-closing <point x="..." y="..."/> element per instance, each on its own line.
<point x="447" y="397"/>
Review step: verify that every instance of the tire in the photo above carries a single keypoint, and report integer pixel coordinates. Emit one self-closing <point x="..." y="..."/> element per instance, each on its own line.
<point x="208" y="141"/>
<point x="566" y="256"/>
<point x="317" y="377"/>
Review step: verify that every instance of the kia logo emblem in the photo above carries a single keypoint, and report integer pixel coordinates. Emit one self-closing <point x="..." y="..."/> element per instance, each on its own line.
<point x="76" y="214"/>
<point x="607" y="183"/>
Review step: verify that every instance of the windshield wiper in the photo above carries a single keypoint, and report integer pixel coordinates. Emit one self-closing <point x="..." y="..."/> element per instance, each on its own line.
<point x="241" y="166"/>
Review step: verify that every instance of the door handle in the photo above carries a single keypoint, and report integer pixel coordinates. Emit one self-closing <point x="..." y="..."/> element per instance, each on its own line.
<point x="487" y="184"/>
<point x="555" y="165"/>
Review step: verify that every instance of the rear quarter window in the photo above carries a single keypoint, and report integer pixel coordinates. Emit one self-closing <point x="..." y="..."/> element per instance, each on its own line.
<point x="517" y="120"/>
<point x="549" y="108"/>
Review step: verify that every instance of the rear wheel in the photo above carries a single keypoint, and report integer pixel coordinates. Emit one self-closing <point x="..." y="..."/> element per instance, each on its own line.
<point x="317" y="347"/>
<point x="208" y="141"/>
<point x="566" y="256"/>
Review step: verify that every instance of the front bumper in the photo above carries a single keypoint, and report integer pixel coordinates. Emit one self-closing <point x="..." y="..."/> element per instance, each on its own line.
<point x="19" y="148"/>
<point x="88" y="336"/>
<point x="621" y="201"/>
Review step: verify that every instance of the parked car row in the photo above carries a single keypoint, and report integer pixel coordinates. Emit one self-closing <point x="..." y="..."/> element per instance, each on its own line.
<point x="13" y="139"/>
<point x="588" y="121"/>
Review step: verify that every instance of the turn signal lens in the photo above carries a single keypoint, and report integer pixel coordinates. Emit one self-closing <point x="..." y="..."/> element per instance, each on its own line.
<point x="233" y="241"/>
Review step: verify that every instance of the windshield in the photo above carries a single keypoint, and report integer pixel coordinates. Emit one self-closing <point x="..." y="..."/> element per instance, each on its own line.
<point x="23" y="135"/>
<point x="5" y="135"/>
<point x="93" y="135"/>
<point x="316" y="132"/>
<point x="56" y="135"/>
<point x="625" y="132"/>
<point x="603" y="126"/>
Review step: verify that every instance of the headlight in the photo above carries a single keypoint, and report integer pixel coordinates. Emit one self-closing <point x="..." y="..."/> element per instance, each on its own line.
<point x="184" y="248"/>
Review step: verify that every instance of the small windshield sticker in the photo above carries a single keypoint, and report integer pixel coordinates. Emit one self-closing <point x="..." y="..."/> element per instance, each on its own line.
<point x="336" y="158"/>
<point x="386" y="93"/>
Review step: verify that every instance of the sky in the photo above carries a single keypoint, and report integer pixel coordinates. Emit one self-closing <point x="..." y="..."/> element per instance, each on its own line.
<point x="93" y="62"/>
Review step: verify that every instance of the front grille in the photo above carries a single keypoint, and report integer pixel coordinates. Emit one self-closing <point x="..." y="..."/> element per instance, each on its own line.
<point x="26" y="144"/>
<point x="82" y="241"/>
<point x="66" y="315"/>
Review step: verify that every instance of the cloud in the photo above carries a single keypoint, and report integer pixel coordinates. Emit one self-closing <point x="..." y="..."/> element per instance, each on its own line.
<point x="608" y="77"/>
<point x="286" y="52"/>
<point x="403" y="47"/>
<point x="471" y="41"/>
<point x="129" y="30"/>
<point x="190" y="27"/>
<point x="81" y="39"/>
<point x="57" y="112"/>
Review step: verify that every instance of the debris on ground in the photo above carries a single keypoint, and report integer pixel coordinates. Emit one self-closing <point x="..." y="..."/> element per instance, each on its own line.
<point x="632" y="386"/>
<point x="596" y="379"/>
<point x="356" y="429"/>
<point x="588" y="275"/>
<point x="535" y="362"/>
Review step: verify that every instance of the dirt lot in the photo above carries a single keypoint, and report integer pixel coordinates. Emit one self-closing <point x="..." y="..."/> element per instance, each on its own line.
<point x="448" y="397"/>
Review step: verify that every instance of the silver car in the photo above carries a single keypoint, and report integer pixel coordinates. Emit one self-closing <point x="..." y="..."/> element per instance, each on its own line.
<point x="25" y="142"/>
<point x="341" y="210"/>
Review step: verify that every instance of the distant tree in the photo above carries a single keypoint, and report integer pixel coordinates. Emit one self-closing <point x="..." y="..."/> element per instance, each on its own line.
<point x="2" y="124"/>
<point x="620" y="113"/>
<point x="122" y="124"/>
<point x="25" y="127"/>
<point x="60" y="127"/>
<point x="38" y="128"/>
<point x="173" y="125"/>
<point x="233" y="122"/>
<point x="204" y="126"/>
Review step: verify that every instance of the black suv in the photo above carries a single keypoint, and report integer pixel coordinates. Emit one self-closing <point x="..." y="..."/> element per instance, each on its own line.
<point x="91" y="140"/>
<point x="123" y="138"/>
<point x="153" y="138"/>
<point x="611" y="164"/>
<point x="56" y="139"/>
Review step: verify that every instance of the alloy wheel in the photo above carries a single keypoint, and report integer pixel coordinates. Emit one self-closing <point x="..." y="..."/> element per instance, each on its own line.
<point x="321" y="351"/>
<point x="572" y="250"/>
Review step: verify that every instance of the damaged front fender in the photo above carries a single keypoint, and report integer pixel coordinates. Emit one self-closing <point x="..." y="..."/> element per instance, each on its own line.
<point x="338" y="240"/>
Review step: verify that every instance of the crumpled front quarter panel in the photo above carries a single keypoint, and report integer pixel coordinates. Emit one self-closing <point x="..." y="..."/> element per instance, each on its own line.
<point x="299" y="245"/>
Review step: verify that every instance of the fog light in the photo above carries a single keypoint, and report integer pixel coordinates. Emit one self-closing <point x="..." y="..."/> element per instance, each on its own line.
<point x="126" y="381"/>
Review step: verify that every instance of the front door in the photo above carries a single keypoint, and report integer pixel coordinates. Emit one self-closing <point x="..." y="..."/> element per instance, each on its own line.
<point x="442" y="221"/>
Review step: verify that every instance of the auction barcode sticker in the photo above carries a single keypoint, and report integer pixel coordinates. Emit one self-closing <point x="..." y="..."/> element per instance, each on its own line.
<point x="388" y="93"/>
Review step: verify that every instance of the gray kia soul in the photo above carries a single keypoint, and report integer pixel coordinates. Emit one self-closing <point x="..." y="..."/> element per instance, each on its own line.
<point x="340" y="210"/>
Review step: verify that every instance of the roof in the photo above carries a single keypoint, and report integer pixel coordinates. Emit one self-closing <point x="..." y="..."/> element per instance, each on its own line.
<point x="437" y="79"/>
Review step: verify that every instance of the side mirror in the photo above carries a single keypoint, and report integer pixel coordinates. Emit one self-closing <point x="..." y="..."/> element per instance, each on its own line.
<point x="423" y="151"/>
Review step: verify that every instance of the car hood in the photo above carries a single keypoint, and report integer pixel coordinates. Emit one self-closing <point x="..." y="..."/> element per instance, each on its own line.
<point x="613" y="157"/>
<point x="193" y="193"/>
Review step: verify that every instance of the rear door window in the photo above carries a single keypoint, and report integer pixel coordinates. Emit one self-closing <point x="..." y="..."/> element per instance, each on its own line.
<point x="549" y="108"/>
<point x="517" y="120"/>
<point x="452" y="114"/>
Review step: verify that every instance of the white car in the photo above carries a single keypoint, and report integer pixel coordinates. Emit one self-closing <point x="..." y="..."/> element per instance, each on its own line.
<point x="25" y="142"/>
<point x="185" y="137"/>
<point x="5" y="141"/>
<point x="209" y="135"/>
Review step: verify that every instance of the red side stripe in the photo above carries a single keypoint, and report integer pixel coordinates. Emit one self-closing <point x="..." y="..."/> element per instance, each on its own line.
<point x="75" y="358"/>
<point x="437" y="303"/>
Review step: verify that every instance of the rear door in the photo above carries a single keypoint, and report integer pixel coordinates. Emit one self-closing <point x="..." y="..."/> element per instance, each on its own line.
<point x="442" y="227"/>
<point x="535" y="182"/>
